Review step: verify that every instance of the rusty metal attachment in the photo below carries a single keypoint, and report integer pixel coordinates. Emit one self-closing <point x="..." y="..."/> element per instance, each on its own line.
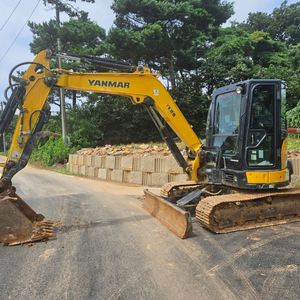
<point x="173" y="217"/>
<point x="19" y="223"/>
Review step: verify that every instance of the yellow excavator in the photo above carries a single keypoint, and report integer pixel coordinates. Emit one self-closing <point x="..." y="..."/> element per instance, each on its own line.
<point x="236" y="179"/>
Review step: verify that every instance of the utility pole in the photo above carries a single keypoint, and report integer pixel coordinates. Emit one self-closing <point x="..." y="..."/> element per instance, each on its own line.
<point x="61" y="91"/>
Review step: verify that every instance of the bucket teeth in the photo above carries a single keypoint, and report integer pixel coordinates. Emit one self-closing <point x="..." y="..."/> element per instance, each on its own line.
<point x="20" y="224"/>
<point x="42" y="230"/>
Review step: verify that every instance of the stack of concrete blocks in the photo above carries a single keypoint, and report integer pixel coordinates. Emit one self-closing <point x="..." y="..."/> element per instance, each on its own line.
<point x="296" y="165"/>
<point x="149" y="171"/>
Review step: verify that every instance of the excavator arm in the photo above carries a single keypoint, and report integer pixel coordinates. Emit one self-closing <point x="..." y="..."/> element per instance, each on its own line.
<point x="30" y="97"/>
<point x="141" y="87"/>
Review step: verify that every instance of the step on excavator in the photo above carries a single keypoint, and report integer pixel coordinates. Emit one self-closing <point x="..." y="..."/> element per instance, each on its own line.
<point x="237" y="178"/>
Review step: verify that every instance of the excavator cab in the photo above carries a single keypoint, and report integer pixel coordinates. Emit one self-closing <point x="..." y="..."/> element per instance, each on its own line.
<point x="246" y="130"/>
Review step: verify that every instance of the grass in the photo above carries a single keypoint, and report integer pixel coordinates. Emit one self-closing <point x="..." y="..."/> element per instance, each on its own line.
<point x="293" y="142"/>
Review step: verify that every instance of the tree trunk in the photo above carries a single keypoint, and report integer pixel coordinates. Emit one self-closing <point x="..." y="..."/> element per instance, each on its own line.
<point x="74" y="99"/>
<point x="171" y="70"/>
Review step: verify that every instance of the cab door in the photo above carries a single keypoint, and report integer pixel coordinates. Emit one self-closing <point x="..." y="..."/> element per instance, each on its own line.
<point x="262" y="127"/>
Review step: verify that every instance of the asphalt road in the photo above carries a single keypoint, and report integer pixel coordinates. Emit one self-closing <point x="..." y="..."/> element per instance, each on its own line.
<point x="110" y="248"/>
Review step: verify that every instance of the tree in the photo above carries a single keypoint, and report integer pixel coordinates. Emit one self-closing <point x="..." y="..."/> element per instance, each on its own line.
<point x="258" y="21"/>
<point x="119" y="120"/>
<point x="285" y="23"/>
<point x="78" y="35"/>
<point x="169" y="36"/>
<point x="192" y="102"/>
<point x="227" y="59"/>
<point x="268" y="51"/>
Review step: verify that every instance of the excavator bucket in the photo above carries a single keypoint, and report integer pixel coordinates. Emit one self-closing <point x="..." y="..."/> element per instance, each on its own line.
<point x="176" y="219"/>
<point x="20" y="224"/>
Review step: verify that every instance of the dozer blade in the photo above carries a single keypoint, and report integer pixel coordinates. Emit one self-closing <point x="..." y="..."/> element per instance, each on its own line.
<point x="176" y="219"/>
<point x="20" y="224"/>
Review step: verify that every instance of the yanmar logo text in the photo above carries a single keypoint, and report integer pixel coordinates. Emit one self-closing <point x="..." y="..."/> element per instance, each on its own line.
<point x="170" y="110"/>
<point x="107" y="83"/>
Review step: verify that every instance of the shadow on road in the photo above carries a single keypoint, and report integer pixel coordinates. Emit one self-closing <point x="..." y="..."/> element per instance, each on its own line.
<point x="101" y="223"/>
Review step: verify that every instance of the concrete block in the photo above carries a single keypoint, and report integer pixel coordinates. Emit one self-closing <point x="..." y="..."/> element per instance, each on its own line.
<point x="147" y="164"/>
<point x="83" y="170"/>
<point x="90" y="160"/>
<point x="75" y="169"/>
<point x="135" y="177"/>
<point x="110" y="162"/>
<point x="103" y="162"/>
<point x="136" y="163"/>
<point x="92" y="172"/>
<point x="172" y="166"/>
<point x="118" y="160"/>
<point x="159" y="164"/>
<point x="73" y="159"/>
<point x="296" y="165"/>
<point x="117" y="175"/>
<point x="147" y="178"/>
<point x="126" y="176"/>
<point x="85" y="159"/>
<point x="159" y="179"/>
<point x="98" y="161"/>
<point x="126" y="163"/>
<point x="80" y="160"/>
<point x="108" y="174"/>
<point x="71" y="167"/>
<point x="102" y="174"/>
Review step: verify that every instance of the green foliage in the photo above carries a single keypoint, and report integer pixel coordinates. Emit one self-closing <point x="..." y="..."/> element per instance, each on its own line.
<point x="285" y="23"/>
<point x="193" y="104"/>
<point x="82" y="133"/>
<point x="293" y="141"/>
<point x="52" y="151"/>
<point x="81" y="130"/>
<point x="119" y="120"/>
<point x="169" y="36"/>
<point x="293" y="116"/>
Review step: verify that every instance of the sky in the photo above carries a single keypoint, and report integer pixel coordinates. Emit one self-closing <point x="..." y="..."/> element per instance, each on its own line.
<point x="15" y="35"/>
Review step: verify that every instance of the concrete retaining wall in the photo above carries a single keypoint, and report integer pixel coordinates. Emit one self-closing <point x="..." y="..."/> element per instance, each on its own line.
<point x="296" y="165"/>
<point x="151" y="171"/>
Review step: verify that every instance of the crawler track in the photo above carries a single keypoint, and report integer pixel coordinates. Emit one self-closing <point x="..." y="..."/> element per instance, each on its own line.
<point x="242" y="211"/>
<point x="177" y="189"/>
